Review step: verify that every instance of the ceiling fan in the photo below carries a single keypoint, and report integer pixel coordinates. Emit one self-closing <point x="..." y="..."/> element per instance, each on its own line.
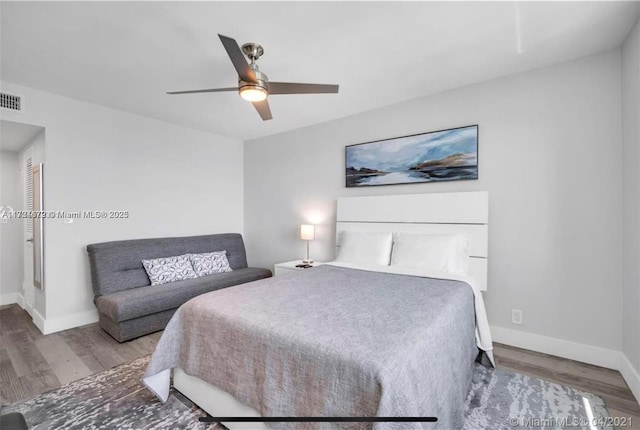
<point x="253" y="85"/>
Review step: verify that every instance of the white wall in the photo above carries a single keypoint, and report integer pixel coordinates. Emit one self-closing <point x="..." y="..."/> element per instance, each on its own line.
<point x="10" y="233"/>
<point x="173" y="181"/>
<point x="550" y="157"/>
<point x="631" y="198"/>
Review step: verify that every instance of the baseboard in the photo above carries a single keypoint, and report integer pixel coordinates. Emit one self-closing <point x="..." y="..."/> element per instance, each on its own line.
<point x="604" y="357"/>
<point x="38" y="320"/>
<point x="8" y="299"/>
<point x="53" y="325"/>
<point x="631" y="376"/>
<point x="20" y="301"/>
<point x="28" y="307"/>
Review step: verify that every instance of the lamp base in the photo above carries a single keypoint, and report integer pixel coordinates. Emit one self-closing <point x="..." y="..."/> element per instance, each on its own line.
<point x="307" y="261"/>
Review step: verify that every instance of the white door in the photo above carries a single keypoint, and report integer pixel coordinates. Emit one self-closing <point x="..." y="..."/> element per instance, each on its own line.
<point x="27" y="177"/>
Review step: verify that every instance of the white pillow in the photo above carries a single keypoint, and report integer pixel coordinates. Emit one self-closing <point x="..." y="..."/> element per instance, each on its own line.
<point x="365" y="248"/>
<point x="169" y="269"/>
<point x="440" y="252"/>
<point x="209" y="263"/>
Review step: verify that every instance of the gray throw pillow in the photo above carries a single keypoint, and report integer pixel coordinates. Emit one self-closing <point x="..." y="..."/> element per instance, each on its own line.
<point x="169" y="269"/>
<point x="209" y="263"/>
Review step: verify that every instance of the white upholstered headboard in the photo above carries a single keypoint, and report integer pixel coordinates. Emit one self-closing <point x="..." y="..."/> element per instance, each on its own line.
<point x="442" y="213"/>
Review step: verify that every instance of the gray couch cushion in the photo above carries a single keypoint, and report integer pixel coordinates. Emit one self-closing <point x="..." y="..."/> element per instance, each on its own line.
<point x="136" y="302"/>
<point x="117" y="266"/>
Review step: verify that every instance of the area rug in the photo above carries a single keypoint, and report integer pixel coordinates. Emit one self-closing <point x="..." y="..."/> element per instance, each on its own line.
<point x="499" y="400"/>
<point x="116" y="399"/>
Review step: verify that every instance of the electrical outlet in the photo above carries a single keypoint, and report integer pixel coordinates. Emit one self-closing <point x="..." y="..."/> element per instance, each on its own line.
<point x="516" y="316"/>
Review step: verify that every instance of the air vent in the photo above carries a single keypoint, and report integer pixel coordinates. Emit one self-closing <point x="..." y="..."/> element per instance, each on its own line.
<point x="11" y="102"/>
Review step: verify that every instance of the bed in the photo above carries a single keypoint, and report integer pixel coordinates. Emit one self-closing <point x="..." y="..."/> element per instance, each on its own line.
<point x="342" y="339"/>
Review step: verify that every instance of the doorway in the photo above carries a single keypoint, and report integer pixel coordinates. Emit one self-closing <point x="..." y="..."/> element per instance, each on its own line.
<point x="21" y="238"/>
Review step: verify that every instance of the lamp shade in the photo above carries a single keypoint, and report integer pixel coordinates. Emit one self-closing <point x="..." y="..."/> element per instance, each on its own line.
<point x="307" y="232"/>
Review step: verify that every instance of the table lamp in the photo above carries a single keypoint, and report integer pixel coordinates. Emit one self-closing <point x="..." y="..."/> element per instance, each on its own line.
<point x="308" y="233"/>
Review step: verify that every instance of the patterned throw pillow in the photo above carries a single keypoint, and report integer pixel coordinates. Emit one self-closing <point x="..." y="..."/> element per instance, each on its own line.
<point x="209" y="263"/>
<point x="169" y="269"/>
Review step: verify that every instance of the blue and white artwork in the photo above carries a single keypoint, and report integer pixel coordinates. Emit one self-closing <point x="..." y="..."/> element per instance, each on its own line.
<point x="447" y="155"/>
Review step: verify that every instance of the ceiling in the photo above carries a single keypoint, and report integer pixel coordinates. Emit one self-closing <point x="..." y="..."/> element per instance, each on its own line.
<point x="126" y="55"/>
<point x="14" y="136"/>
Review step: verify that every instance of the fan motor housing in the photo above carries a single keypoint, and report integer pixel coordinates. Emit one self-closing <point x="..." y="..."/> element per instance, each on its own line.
<point x="262" y="81"/>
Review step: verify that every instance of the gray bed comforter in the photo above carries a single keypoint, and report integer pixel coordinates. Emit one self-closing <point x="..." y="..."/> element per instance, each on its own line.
<point x="330" y="341"/>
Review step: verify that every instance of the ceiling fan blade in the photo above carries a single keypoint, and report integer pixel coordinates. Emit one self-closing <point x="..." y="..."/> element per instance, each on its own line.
<point x="212" y="90"/>
<point x="237" y="58"/>
<point x="263" y="109"/>
<point x="297" y="88"/>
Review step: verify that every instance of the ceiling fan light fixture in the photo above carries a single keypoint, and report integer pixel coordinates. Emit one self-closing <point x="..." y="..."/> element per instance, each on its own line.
<point x="253" y="93"/>
<point x="253" y="85"/>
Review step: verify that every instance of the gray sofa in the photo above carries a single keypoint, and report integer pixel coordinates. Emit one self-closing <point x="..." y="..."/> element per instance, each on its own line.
<point x="130" y="307"/>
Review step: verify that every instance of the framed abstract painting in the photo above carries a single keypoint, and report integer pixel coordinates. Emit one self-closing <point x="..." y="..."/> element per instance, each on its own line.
<point x="444" y="155"/>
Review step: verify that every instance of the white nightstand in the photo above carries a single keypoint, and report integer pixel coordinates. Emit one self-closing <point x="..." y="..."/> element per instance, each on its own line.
<point x="290" y="266"/>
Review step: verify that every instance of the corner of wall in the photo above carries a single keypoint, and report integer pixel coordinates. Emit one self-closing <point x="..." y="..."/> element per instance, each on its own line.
<point x="630" y="375"/>
<point x="630" y="87"/>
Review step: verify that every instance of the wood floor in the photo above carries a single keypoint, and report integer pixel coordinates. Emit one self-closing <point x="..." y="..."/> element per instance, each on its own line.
<point x="31" y="363"/>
